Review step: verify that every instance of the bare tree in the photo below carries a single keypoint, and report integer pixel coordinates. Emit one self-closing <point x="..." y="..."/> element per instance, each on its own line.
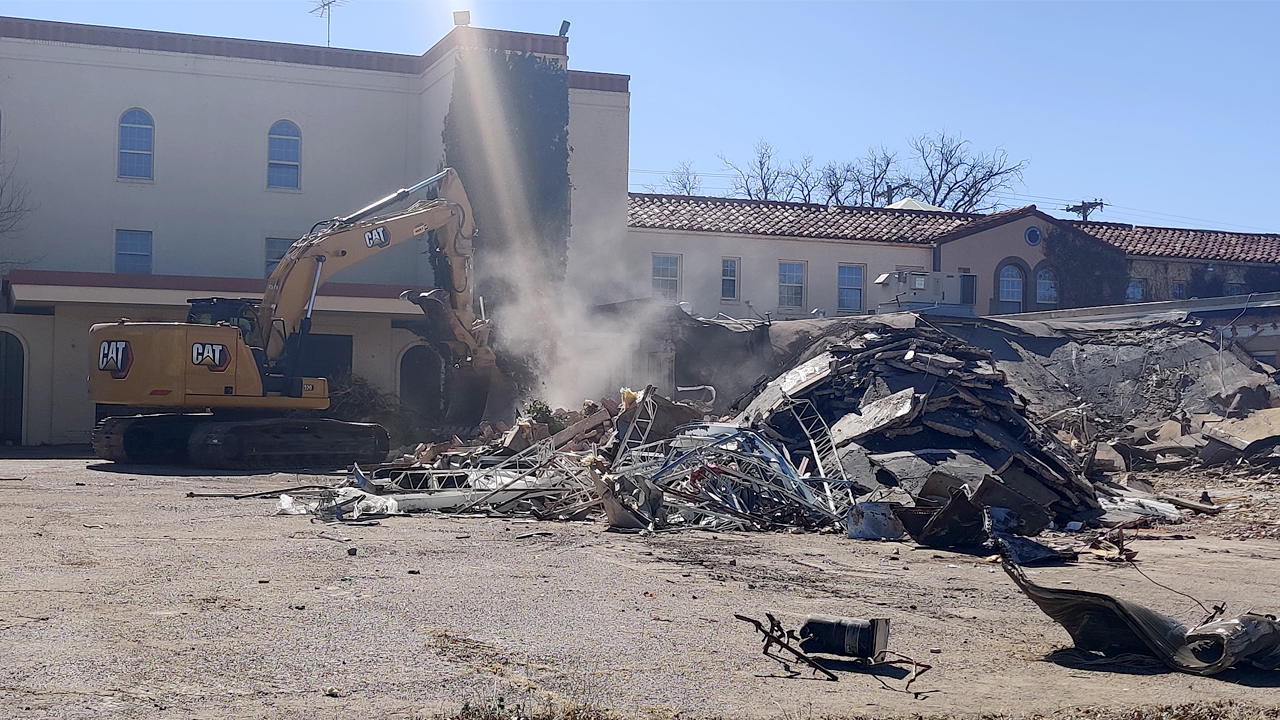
<point x="877" y="178"/>
<point x="803" y="183"/>
<point x="14" y="204"/>
<point x="941" y="169"/>
<point x="760" y="179"/>
<point x="684" y="180"/>
<point x="947" y="172"/>
<point x="837" y="181"/>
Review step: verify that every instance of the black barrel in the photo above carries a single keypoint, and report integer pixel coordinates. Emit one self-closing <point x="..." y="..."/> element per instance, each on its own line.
<point x="852" y="637"/>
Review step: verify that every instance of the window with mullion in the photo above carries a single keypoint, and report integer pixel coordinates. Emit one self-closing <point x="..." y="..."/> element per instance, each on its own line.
<point x="136" y="146"/>
<point x="849" y="288"/>
<point x="729" y="279"/>
<point x="133" y="251"/>
<point x="666" y="277"/>
<point x="284" y="156"/>
<point x="790" y="285"/>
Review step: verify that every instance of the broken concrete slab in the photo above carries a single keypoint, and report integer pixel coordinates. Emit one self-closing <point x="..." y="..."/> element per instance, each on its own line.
<point x="591" y="422"/>
<point x="910" y="469"/>
<point x="873" y="521"/>
<point x="1169" y="431"/>
<point x="1032" y="517"/>
<point x="1106" y="459"/>
<point x="897" y="409"/>
<point x="1251" y="435"/>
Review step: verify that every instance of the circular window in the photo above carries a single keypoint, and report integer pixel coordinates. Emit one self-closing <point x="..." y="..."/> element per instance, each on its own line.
<point x="1033" y="236"/>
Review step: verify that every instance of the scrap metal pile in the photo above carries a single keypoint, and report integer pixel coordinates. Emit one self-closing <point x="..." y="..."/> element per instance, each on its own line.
<point x="644" y="464"/>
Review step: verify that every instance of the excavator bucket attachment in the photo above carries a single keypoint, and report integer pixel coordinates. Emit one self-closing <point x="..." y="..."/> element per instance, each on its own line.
<point x="468" y="395"/>
<point x="474" y="388"/>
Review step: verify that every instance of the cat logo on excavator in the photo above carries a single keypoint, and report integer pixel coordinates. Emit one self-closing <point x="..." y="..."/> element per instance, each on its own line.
<point x="116" y="357"/>
<point x="214" y="357"/>
<point x="377" y="237"/>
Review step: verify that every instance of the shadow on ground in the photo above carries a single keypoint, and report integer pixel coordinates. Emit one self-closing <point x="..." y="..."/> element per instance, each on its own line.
<point x="182" y="471"/>
<point x="46" y="452"/>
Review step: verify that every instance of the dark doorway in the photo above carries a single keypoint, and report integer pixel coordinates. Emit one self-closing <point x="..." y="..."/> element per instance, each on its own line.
<point x="11" y="377"/>
<point x="326" y="356"/>
<point x="422" y="383"/>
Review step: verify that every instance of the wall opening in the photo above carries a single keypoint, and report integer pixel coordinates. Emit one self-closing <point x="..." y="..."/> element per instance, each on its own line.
<point x="12" y="363"/>
<point x="422" y="383"/>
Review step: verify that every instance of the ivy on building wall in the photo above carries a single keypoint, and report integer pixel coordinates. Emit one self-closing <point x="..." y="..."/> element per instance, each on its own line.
<point x="1204" y="284"/>
<point x="1259" y="279"/>
<point x="1090" y="272"/>
<point x="507" y="135"/>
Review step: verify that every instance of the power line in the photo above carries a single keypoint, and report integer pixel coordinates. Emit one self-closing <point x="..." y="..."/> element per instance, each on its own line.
<point x="668" y="172"/>
<point x="1156" y="215"/>
<point x="1084" y="207"/>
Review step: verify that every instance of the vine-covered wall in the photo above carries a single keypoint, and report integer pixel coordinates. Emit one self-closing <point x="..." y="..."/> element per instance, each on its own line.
<point x="507" y="135"/>
<point x="1090" y="272"/>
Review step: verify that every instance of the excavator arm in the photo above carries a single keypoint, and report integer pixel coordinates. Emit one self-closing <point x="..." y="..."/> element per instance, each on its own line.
<point x="343" y="242"/>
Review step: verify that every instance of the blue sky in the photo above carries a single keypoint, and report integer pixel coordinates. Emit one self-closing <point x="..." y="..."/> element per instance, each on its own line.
<point x="1170" y="111"/>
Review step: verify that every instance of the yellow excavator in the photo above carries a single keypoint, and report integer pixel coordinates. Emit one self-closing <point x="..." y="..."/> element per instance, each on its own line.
<point x="223" y="389"/>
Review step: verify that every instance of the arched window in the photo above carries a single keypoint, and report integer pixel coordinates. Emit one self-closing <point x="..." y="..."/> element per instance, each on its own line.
<point x="284" y="156"/>
<point x="1047" y="287"/>
<point x="1011" y="279"/>
<point x="137" y="143"/>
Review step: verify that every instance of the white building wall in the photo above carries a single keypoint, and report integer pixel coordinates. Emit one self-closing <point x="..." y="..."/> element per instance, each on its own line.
<point x="599" y="132"/>
<point x="700" y="265"/>
<point x="208" y="206"/>
<point x="365" y="134"/>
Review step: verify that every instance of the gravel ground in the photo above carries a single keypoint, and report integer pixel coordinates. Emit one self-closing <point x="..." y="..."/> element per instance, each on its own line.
<point x="124" y="598"/>
<point x="1248" y="497"/>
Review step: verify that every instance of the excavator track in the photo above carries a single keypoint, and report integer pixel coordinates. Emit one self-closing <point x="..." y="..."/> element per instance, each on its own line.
<point x="201" y="440"/>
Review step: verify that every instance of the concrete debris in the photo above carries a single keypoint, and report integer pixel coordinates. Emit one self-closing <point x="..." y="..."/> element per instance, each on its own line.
<point x="349" y="503"/>
<point x="924" y="423"/>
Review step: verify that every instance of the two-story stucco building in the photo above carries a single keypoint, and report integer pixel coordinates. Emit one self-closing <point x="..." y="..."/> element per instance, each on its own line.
<point x="160" y="166"/>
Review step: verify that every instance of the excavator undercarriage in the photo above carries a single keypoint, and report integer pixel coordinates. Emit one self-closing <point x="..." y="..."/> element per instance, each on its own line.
<point x="266" y="443"/>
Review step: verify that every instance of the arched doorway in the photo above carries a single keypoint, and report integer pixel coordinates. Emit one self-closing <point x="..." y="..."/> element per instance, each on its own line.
<point x="12" y="365"/>
<point x="422" y="383"/>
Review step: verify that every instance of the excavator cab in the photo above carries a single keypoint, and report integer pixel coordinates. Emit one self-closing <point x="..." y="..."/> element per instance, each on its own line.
<point x="238" y="312"/>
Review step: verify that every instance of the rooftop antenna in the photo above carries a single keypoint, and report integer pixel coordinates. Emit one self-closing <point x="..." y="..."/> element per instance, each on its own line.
<point x="324" y="9"/>
<point x="1084" y="208"/>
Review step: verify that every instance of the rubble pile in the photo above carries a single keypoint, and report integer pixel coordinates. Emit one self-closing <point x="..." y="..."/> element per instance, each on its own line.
<point x="1106" y="380"/>
<point x="972" y="433"/>
<point x="921" y="421"/>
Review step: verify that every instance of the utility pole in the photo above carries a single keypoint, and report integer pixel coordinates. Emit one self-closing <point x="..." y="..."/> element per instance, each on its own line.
<point x="1085" y="207"/>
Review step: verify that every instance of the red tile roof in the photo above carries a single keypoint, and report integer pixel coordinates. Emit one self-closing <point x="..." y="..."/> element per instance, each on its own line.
<point x="763" y="217"/>
<point x="924" y="227"/>
<point x="1184" y="243"/>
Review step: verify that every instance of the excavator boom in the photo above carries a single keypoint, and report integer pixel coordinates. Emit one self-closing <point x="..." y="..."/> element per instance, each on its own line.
<point x="343" y="242"/>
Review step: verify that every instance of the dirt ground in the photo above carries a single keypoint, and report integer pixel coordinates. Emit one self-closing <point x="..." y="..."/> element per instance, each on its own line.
<point x="122" y="597"/>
